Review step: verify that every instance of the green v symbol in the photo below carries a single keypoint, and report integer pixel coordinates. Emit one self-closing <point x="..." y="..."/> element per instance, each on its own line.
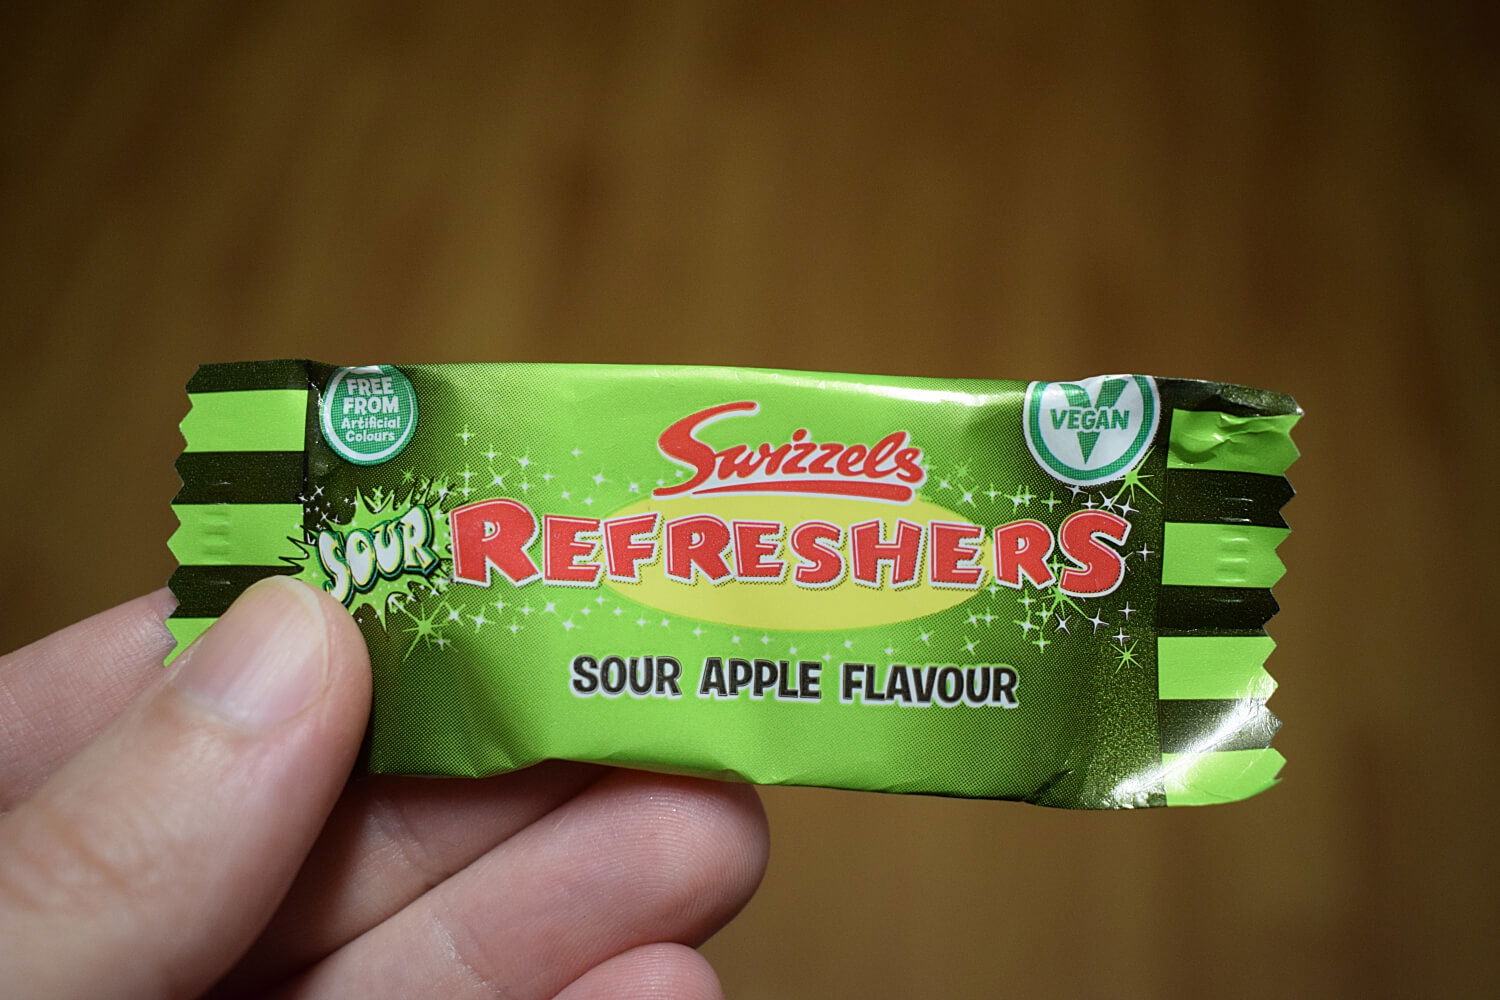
<point x="1109" y="394"/>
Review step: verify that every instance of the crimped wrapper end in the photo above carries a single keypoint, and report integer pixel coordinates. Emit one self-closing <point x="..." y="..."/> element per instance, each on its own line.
<point x="243" y="468"/>
<point x="1226" y="474"/>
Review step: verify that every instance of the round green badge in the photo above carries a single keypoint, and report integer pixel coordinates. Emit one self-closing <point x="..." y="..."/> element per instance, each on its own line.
<point x="368" y="413"/>
<point x="1091" y="431"/>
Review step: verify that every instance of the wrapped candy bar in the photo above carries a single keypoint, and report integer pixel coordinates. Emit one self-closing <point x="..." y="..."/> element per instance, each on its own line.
<point x="1052" y="592"/>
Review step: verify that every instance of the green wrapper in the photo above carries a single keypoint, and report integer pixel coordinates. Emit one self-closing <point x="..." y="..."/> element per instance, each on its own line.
<point x="1052" y="592"/>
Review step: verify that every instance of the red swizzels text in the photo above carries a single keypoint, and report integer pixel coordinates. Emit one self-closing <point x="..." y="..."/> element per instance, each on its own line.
<point x="889" y="470"/>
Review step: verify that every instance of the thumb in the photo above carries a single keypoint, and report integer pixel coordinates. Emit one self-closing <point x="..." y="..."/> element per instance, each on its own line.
<point x="150" y="862"/>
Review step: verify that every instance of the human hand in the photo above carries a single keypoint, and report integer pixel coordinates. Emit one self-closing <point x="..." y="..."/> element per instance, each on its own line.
<point x="190" y="830"/>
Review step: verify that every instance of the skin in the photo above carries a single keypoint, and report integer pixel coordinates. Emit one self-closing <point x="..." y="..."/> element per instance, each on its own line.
<point x="193" y="832"/>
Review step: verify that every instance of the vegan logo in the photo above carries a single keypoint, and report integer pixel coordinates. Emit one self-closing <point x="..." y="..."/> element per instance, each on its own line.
<point x="890" y="469"/>
<point x="1093" y="430"/>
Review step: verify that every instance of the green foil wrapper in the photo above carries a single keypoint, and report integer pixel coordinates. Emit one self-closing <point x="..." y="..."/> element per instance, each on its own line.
<point x="1052" y="592"/>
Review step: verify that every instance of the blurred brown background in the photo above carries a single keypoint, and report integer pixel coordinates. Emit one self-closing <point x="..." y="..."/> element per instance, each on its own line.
<point x="1289" y="195"/>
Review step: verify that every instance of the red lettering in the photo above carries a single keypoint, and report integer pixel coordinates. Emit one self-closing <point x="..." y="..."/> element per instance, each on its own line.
<point x="800" y="466"/>
<point x="678" y="444"/>
<point x="1101" y="568"/>
<point x="871" y="551"/>
<point x="739" y="462"/>
<point x="622" y="553"/>
<point x="697" y="543"/>
<point x="492" y="533"/>
<point x="562" y="547"/>
<point x="823" y="464"/>
<point x="1023" y="547"/>
<point x="952" y="549"/>
<point x="849" y="461"/>
<point x="800" y="451"/>
<point x="884" y="449"/>
<point x="775" y="456"/>
<point x="909" y="466"/>
<point x="753" y="542"/>
<point x="815" y="544"/>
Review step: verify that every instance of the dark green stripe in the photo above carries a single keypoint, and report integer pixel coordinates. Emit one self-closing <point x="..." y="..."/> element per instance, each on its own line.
<point x="240" y="477"/>
<point x="1214" y="610"/>
<point x="1208" y="497"/>
<point x="1186" y="394"/>
<point x="1215" y="726"/>
<point x="207" y="591"/>
<point x="241" y="375"/>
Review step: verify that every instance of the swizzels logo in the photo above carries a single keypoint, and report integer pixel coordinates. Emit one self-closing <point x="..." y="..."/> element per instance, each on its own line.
<point x="889" y="470"/>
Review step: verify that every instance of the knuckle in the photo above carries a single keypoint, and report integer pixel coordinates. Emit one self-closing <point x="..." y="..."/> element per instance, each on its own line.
<point x="410" y="850"/>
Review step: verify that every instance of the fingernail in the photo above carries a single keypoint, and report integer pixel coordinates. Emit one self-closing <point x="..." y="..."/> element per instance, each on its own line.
<point x="264" y="661"/>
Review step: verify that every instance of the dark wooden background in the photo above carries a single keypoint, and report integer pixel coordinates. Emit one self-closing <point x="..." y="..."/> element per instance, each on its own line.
<point x="1300" y="196"/>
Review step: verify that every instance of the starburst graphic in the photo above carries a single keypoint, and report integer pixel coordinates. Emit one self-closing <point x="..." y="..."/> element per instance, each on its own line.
<point x="1126" y="657"/>
<point x="426" y="630"/>
<point x="373" y="517"/>
<point x="1135" y="482"/>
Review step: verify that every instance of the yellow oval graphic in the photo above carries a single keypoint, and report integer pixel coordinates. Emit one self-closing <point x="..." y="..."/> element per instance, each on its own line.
<point x="783" y="604"/>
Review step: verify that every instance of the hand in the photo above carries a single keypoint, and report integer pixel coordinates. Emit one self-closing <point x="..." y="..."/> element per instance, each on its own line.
<point x="190" y="830"/>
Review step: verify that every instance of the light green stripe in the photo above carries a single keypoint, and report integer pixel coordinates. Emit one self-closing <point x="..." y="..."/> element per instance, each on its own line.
<point x="1205" y="779"/>
<point x="185" y="630"/>
<point x="1221" y="555"/>
<point x="235" y="534"/>
<point x="1213" y="666"/>
<point x="1226" y="443"/>
<point x="252" y="420"/>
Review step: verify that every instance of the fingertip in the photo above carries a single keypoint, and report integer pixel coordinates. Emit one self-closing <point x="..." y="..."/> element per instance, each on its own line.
<point x="665" y="971"/>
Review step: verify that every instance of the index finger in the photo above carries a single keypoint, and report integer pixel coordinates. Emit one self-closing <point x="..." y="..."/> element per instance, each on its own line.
<point x="60" y="692"/>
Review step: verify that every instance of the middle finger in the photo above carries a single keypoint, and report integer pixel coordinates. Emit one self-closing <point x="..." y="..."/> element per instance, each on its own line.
<point x="387" y="842"/>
